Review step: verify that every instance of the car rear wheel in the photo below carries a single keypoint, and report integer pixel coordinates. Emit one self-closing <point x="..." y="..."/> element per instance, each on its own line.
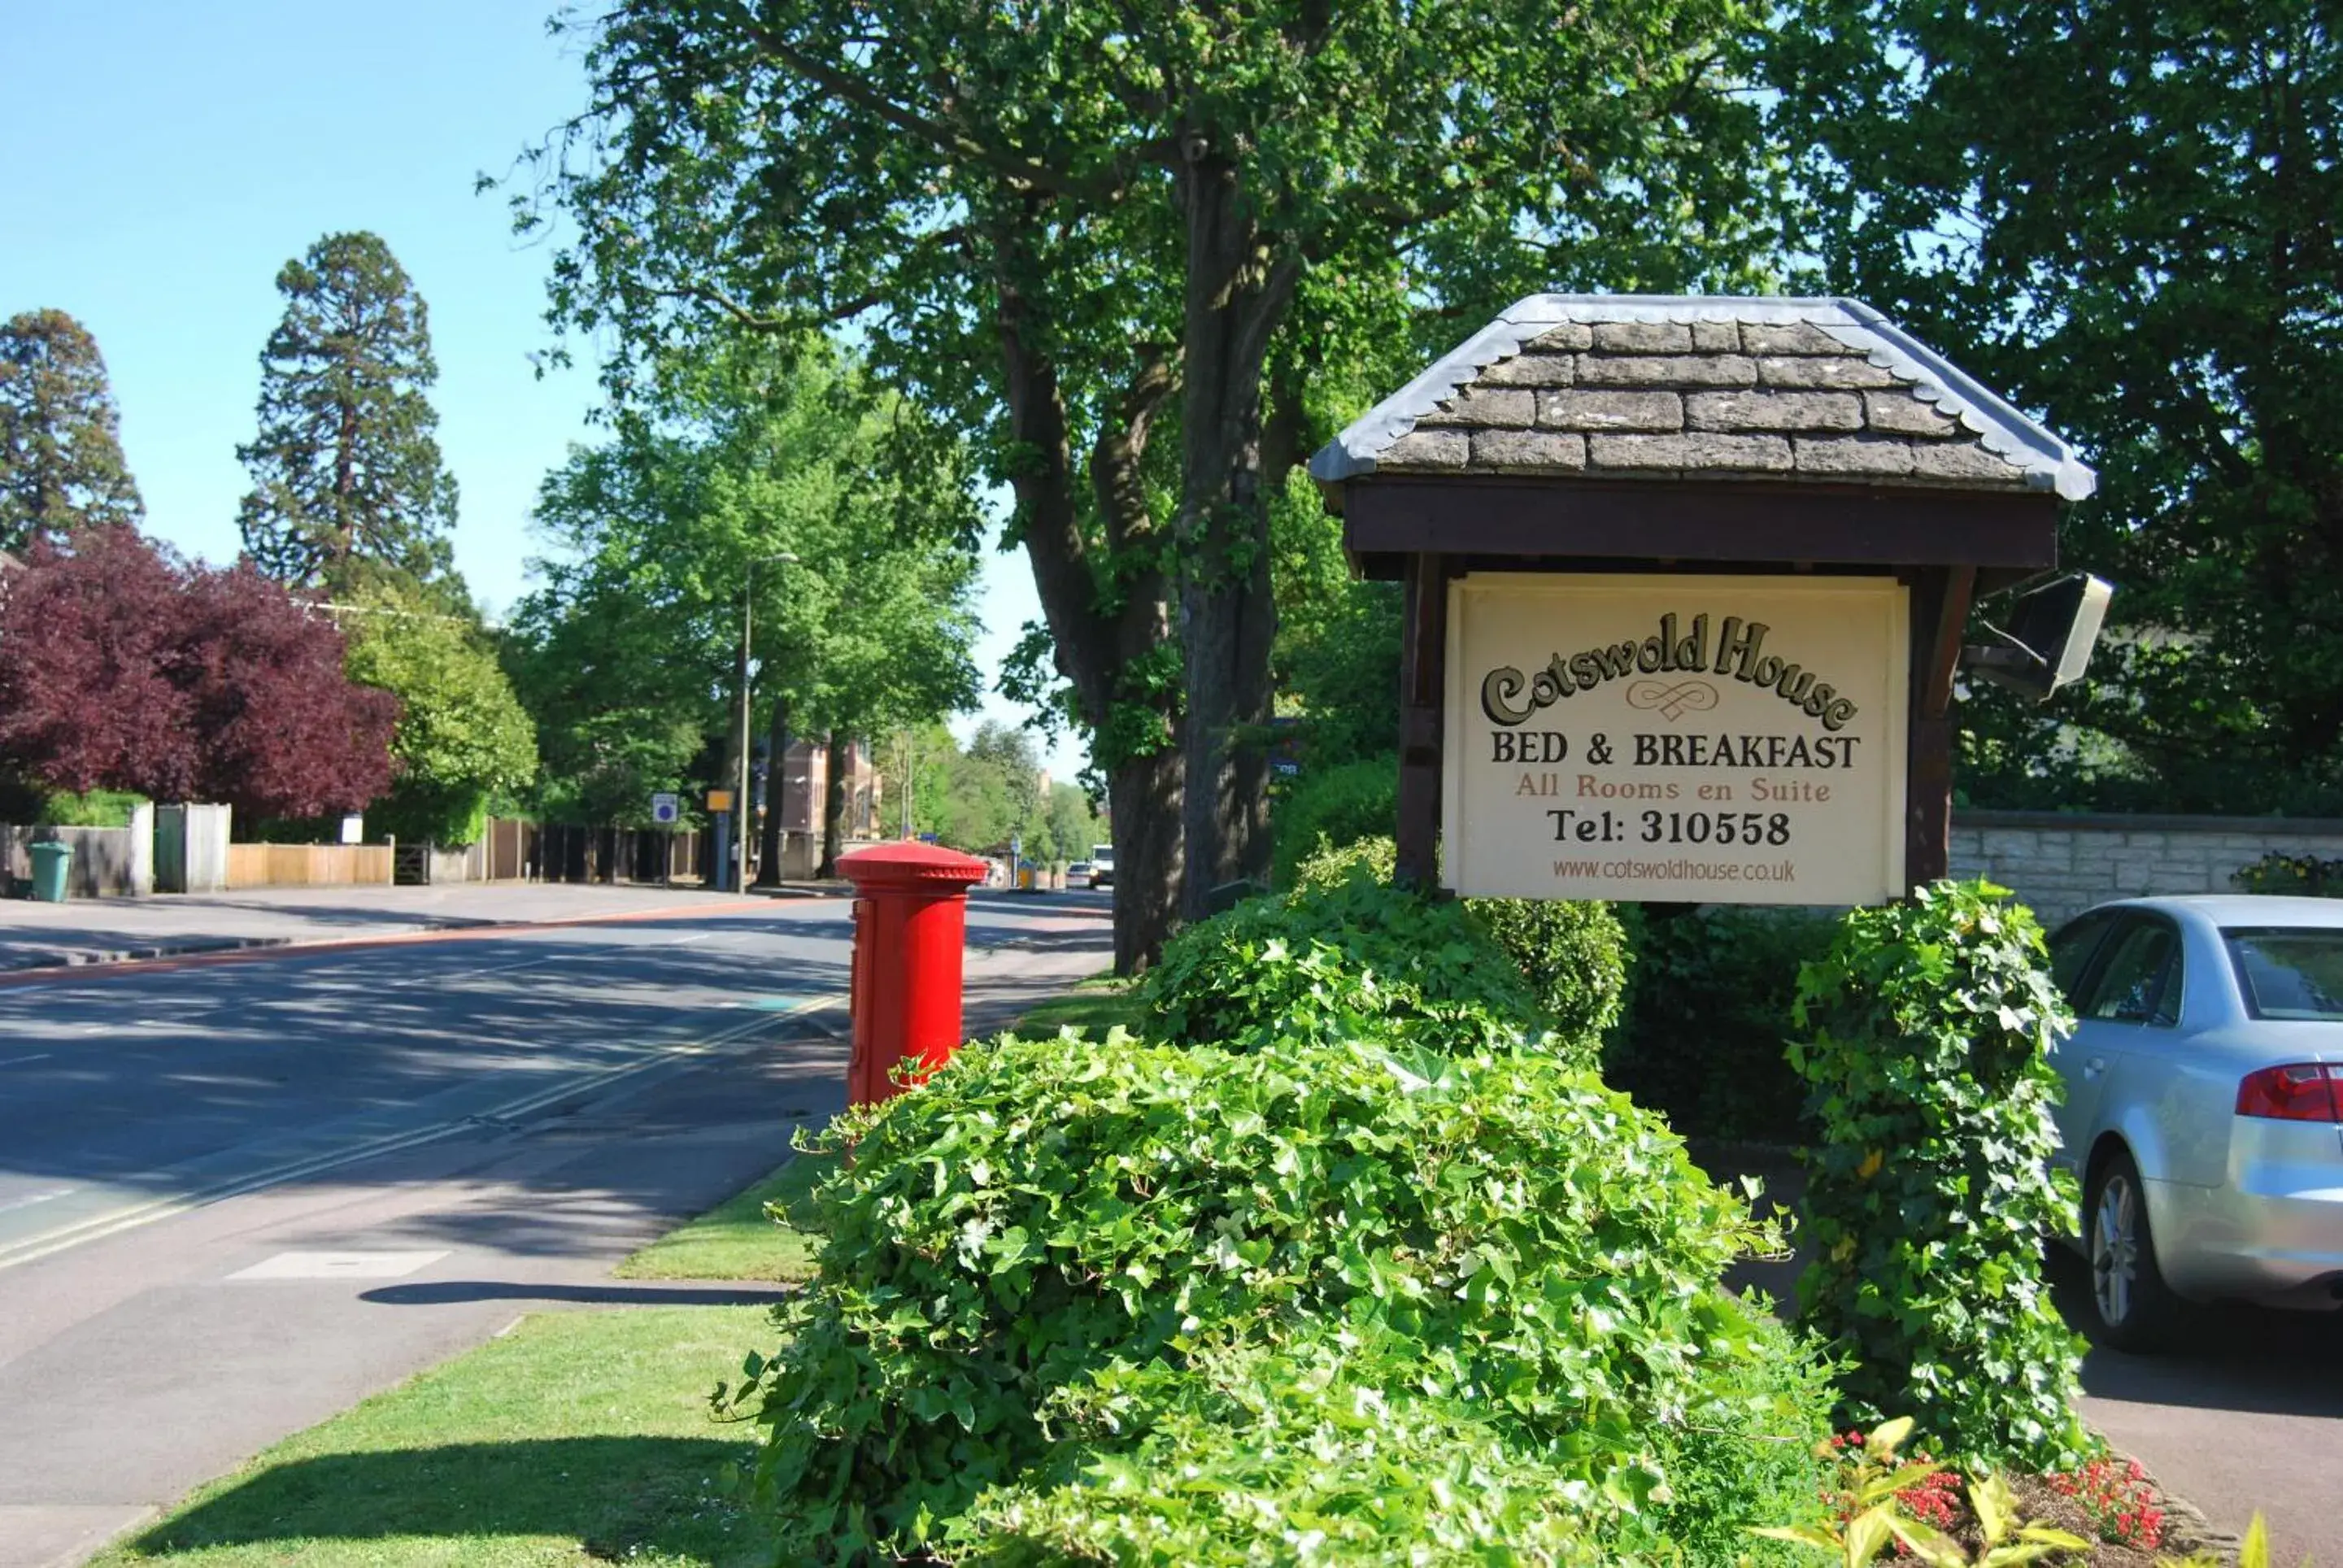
<point x="2133" y="1308"/>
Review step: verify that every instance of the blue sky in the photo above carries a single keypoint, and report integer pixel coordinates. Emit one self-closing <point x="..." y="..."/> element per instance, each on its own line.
<point x="170" y="158"/>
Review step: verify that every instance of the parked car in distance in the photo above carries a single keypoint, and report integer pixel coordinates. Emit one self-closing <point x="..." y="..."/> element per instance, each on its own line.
<point x="1102" y="865"/>
<point x="1080" y="874"/>
<point x="2204" y="1109"/>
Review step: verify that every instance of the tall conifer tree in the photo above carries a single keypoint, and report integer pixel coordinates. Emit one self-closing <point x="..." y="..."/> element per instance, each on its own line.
<point x="61" y="467"/>
<point x="347" y="481"/>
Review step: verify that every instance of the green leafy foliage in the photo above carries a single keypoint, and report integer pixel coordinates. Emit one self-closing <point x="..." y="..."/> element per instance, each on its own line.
<point x="463" y="739"/>
<point x="1930" y="1198"/>
<point x="1574" y="954"/>
<point x="1706" y="1021"/>
<point x="1098" y="234"/>
<point x="2146" y="255"/>
<point x="1425" y="1301"/>
<point x="1349" y="959"/>
<point x="662" y="538"/>
<point x="94" y="808"/>
<point x="1333" y="807"/>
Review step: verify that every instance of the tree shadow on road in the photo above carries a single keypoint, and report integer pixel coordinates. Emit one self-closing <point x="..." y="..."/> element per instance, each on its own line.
<point x="617" y="1497"/>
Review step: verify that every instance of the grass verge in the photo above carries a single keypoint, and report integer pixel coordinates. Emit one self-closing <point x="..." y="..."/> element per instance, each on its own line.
<point x="579" y="1438"/>
<point x="739" y="1239"/>
<point x="1098" y="1003"/>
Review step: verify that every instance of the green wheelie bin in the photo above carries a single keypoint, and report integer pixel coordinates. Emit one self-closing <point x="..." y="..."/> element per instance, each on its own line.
<point x="51" y="864"/>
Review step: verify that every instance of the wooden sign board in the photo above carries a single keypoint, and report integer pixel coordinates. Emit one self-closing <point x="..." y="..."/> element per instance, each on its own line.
<point x="1706" y="738"/>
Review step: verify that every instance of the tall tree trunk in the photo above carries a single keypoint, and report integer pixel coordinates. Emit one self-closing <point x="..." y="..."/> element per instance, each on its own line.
<point x="1103" y="644"/>
<point x="833" y="804"/>
<point x="1142" y="804"/>
<point x="1237" y="294"/>
<point x="346" y="484"/>
<point x="777" y="773"/>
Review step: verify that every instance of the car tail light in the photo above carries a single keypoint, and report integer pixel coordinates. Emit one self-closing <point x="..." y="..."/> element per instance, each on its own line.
<point x="2303" y="1091"/>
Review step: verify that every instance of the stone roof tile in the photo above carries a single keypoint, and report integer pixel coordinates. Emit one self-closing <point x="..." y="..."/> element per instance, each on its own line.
<point x="1528" y="451"/>
<point x="1773" y="411"/>
<point x="1647" y="386"/>
<point x="1667" y="371"/>
<point x="1642" y="337"/>
<point x="1698" y="450"/>
<point x="1585" y="410"/>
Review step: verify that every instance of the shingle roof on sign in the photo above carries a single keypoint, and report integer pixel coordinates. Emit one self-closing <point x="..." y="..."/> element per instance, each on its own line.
<point x="1675" y="386"/>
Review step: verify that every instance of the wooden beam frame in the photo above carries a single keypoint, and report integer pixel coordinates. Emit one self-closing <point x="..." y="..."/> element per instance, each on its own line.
<point x="1423" y="720"/>
<point x="1941" y="597"/>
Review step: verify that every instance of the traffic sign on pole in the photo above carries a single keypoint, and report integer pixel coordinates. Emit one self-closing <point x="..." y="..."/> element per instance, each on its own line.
<point x="665" y="809"/>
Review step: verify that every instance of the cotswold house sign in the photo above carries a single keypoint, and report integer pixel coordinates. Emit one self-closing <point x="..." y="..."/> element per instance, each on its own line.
<point x="1686" y="582"/>
<point x="1718" y="738"/>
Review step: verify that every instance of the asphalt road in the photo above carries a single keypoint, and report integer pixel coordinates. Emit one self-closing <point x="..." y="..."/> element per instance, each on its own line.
<point x="235" y="1197"/>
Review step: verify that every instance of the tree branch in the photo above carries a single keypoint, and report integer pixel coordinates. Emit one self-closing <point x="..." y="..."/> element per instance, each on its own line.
<point x="1021" y="171"/>
<point x="1122" y="446"/>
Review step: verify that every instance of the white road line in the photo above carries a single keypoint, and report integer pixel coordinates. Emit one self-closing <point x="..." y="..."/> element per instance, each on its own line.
<point x="102" y="1225"/>
<point x="29" y="1199"/>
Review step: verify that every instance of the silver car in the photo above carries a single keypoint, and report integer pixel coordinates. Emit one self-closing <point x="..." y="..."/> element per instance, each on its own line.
<point x="2204" y="1110"/>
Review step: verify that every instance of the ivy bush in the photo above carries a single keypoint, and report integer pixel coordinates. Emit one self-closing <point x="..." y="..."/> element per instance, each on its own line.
<point x="1371" y="1302"/>
<point x="1341" y="958"/>
<point x="1331" y="806"/>
<point x="1574" y="954"/>
<point x="1930" y="1198"/>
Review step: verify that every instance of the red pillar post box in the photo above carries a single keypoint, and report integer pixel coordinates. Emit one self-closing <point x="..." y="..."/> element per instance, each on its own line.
<point x="910" y="921"/>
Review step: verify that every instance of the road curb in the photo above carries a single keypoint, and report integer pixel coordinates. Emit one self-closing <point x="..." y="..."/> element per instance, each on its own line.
<point x="106" y="956"/>
<point x="2187" y="1531"/>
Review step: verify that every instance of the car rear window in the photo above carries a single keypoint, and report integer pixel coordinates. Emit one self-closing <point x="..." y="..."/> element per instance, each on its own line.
<point x="2289" y="973"/>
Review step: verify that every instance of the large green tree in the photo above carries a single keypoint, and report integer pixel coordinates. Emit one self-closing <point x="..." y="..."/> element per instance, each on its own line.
<point x="463" y="739"/>
<point x="61" y="465"/>
<point x="348" y="482"/>
<point x="762" y="447"/>
<point x="1074" y="226"/>
<point x="2122" y="213"/>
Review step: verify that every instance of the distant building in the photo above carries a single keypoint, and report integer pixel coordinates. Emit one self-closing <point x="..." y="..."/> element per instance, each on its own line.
<point x="805" y="784"/>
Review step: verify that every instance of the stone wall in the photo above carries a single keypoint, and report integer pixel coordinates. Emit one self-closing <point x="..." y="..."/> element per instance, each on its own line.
<point x="2060" y="865"/>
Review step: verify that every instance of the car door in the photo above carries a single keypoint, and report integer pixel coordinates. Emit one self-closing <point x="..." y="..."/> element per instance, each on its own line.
<point x="2073" y="952"/>
<point x="2128" y="1016"/>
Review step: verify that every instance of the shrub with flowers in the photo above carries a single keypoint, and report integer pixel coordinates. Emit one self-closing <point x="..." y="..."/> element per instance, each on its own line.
<point x="1934" y="1499"/>
<point x="2122" y="1504"/>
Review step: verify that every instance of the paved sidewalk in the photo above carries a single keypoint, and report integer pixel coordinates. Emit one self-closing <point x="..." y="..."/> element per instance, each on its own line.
<point x="36" y="935"/>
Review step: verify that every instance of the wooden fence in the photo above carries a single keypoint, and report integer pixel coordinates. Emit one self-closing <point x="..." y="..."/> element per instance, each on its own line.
<point x="308" y="865"/>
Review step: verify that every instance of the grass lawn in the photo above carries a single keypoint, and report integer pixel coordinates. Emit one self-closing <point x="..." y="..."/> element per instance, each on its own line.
<point x="579" y="1438"/>
<point x="737" y="1240"/>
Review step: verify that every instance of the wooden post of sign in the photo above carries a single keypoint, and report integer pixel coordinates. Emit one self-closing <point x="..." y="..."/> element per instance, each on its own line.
<point x="1940" y="609"/>
<point x="1423" y="720"/>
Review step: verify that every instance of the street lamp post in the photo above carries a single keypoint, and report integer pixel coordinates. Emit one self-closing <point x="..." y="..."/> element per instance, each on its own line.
<point x="745" y="814"/>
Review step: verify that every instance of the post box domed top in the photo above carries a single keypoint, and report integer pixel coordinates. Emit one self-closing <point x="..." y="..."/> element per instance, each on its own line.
<point x="1566" y="388"/>
<point x="911" y="865"/>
